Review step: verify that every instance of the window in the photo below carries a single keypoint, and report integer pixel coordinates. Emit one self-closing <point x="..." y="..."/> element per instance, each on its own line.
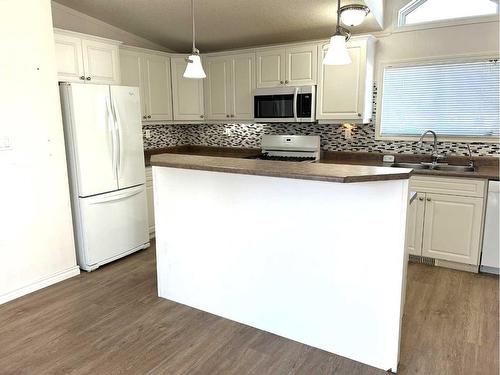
<point x="455" y="99"/>
<point x="422" y="11"/>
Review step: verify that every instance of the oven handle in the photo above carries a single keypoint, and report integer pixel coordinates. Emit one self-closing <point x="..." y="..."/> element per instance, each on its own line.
<point x="295" y="95"/>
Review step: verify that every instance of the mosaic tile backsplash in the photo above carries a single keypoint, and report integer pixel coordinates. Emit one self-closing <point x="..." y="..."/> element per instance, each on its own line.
<point x="332" y="138"/>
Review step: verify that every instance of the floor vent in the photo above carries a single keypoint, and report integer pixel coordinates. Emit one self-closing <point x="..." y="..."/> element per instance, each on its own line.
<point x="422" y="260"/>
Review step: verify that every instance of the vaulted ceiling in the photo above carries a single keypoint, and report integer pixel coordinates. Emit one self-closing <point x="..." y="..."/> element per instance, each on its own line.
<point x="223" y="24"/>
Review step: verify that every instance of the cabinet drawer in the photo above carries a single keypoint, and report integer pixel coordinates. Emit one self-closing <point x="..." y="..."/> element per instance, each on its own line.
<point x="452" y="186"/>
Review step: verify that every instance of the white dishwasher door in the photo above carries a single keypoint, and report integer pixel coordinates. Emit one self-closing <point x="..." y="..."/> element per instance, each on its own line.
<point x="490" y="261"/>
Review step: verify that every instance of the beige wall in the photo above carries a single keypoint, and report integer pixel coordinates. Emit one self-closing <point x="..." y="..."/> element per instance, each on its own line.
<point x="36" y="234"/>
<point x="70" y="19"/>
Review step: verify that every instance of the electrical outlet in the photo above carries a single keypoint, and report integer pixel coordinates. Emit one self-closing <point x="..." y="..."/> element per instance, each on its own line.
<point x="148" y="134"/>
<point x="348" y="134"/>
<point x="228" y="132"/>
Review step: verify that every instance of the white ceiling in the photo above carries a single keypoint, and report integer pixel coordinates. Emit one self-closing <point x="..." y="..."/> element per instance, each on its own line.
<point x="220" y="24"/>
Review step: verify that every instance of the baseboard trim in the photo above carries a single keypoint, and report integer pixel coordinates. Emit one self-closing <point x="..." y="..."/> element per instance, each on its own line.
<point x="40" y="284"/>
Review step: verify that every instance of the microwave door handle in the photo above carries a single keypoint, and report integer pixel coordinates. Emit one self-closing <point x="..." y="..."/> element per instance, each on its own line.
<point x="295" y="96"/>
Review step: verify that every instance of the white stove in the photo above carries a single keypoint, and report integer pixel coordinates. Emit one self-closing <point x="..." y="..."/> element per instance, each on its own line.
<point x="300" y="148"/>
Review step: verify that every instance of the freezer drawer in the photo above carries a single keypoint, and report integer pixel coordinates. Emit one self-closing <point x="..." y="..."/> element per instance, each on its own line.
<point x="112" y="225"/>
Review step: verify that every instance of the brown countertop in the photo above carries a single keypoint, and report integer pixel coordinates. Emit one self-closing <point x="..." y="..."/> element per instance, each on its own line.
<point x="486" y="167"/>
<point x="284" y="169"/>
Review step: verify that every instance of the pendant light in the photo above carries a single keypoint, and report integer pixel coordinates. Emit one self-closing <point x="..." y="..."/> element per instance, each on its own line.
<point x="337" y="53"/>
<point x="353" y="14"/>
<point x="194" y="69"/>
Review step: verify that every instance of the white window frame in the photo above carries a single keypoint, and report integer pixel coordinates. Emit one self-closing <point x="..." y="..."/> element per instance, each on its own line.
<point x="401" y="14"/>
<point x="427" y="61"/>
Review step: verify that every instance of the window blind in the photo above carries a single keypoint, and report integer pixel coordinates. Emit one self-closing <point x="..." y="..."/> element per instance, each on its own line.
<point x="453" y="99"/>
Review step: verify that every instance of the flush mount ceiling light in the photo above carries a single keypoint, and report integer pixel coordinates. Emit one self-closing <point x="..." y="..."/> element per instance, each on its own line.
<point x="194" y="69"/>
<point x="353" y="14"/>
<point x="337" y="53"/>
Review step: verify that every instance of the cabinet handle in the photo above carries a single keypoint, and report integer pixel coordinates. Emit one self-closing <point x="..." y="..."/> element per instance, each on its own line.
<point x="144" y="117"/>
<point x="82" y="78"/>
<point x="149" y="116"/>
<point x="420" y="199"/>
<point x="88" y="78"/>
<point x="281" y="82"/>
<point x="227" y="115"/>
<point x="201" y="116"/>
<point x="428" y="199"/>
<point x="359" y="114"/>
<point x="286" y="82"/>
<point x="232" y="115"/>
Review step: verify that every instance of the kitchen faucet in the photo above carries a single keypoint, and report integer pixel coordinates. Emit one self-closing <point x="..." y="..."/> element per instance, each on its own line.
<point x="435" y="155"/>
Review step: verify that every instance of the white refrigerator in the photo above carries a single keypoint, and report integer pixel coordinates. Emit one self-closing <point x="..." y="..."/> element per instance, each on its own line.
<point x="103" y="134"/>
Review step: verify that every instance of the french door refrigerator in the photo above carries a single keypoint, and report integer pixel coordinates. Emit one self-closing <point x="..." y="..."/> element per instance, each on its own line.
<point x="103" y="135"/>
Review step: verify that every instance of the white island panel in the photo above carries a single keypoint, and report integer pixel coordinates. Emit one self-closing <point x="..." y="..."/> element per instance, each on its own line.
<point x="321" y="263"/>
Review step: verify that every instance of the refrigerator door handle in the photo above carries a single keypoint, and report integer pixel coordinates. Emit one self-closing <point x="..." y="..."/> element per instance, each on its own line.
<point x="118" y="136"/>
<point x="118" y="196"/>
<point x="112" y="131"/>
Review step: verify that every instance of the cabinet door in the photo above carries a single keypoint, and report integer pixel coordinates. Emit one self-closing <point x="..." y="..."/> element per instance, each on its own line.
<point x="132" y="75"/>
<point x="158" y="97"/>
<point x="415" y="225"/>
<point x="187" y="93"/>
<point x="150" y="199"/>
<point x="452" y="228"/>
<point x="243" y="86"/>
<point x="341" y="88"/>
<point x="69" y="58"/>
<point x="217" y="88"/>
<point x="301" y="65"/>
<point x="271" y="67"/>
<point x="101" y="62"/>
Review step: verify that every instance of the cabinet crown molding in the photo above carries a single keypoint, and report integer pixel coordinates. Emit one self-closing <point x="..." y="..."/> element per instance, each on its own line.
<point x="86" y="36"/>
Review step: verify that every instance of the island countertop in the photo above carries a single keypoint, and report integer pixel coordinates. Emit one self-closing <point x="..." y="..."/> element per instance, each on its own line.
<point x="297" y="170"/>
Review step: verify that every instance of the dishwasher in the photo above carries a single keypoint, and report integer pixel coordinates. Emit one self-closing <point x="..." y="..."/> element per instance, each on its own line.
<point x="490" y="261"/>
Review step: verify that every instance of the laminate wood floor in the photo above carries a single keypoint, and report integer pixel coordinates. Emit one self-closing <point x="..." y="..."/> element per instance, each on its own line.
<point x="112" y="322"/>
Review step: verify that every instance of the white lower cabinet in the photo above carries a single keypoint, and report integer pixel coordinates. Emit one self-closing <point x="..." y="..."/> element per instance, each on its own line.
<point x="445" y="221"/>
<point x="150" y="200"/>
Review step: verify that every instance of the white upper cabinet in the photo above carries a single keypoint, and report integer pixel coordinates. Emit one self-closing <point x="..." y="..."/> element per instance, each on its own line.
<point x="243" y="85"/>
<point x="345" y="92"/>
<point x="69" y="57"/>
<point x="81" y="57"/>
<point x="292" y="65"/>
<point x="270" y="67"/>
<point x="217" y="88"/>
<point x="187" y="93"/>
<point x="229" y="87"/>
<point x="301" y="65"/>
<point x="151" y="73"/>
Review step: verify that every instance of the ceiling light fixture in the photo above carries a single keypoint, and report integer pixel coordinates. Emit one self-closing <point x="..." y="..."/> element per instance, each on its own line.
<point x="353" y="14"/>
<point x="337" y="53"/>
<point x="194" y="69"/>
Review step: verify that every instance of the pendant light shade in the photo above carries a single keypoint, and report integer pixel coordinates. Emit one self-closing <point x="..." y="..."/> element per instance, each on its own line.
<point x="337" y="53"/>
<point x="353" y="14"/>
<point x="194" y="69"/>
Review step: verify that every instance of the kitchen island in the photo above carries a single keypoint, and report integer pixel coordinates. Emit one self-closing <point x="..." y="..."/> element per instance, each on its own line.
<point x="311" y="252"/>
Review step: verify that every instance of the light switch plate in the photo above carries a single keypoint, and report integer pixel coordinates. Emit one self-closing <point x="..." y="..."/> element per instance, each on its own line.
<point x="148" y="134"/>
<point x="5" y="144"/>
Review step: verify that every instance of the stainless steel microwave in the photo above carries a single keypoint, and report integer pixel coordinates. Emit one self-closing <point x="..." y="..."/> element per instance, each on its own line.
<point x="285" y="104"/>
